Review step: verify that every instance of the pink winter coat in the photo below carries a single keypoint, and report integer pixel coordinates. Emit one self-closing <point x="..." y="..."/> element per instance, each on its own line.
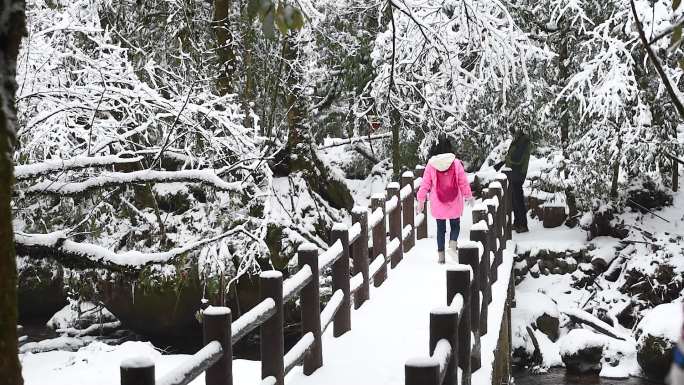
<point x="441" y="171"/>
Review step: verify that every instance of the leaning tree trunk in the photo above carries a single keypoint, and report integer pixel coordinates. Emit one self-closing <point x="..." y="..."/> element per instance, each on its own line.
<point x="299" y="154"/>
<point x="12" y="21"/>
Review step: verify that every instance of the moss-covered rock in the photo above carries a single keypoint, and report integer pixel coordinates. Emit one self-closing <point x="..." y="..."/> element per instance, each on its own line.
<point x="654" y="355"/>
<point x="41" y="288"/>
<point x="587" y="360"/>
<point x="156" y="302"/>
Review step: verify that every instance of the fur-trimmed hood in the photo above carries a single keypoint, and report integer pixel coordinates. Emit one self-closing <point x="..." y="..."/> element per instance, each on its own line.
<point x="442" y="162"/>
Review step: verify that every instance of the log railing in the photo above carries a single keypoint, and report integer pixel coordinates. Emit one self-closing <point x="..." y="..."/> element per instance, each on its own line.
<point x="456" y="330"/>
<point x="365" y="242"/>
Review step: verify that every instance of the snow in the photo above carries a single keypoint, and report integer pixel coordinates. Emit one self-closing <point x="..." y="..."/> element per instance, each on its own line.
<point x="405" y="192"/>
<point x="468" y="244"/>
<point x="206" y="176"/>
<point x="137" y="362"/>
<point x="406" y="232"/>
<point x="422" y="362"/>
<point x="663" y="321"/>
<point x="298" y="351"/>
<point x="442" y="354"/>
<point x="359" y="209"/>
<point x="419" y="219"/>
<point x="417" y="182"/>
<point x="391" y="205"/>
<point x="25" y="171"/>
<point x="216" y="311"/>
<point x="271" y="274"/>
<point x="296" y="282"/>
<point x="354" y="232"/>
<point x="375" y="218"/>
<point x="331" y="255"/>
<point x="340" y="227"/>
<point x="578" y="339"/>
<point x="98" y="363"/>
<point x="375" y="266"/>
<point x="195" y="364"/>
<point x="407" y="174"/>
<point x="331" y="308"/>
<point x="355" y="282"/>
<point x="250" y="320"/>
<point x="307" y="246"/>
<point x="480" y="226"/>
<point x="393" y="185"/>
<point x="70" y="314"/>
<point x="393" y="246"/>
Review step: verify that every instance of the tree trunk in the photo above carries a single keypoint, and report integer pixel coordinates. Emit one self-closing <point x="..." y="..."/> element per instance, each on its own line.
<point x="299" y="154"/>
<point x="563" y="74"/>
<point x="224" y="45"/>
<point x="11" y="30"/>
<point x="395" y="122"/>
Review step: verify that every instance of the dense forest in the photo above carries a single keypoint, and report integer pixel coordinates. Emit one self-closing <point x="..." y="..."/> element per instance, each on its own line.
<point x="165" y="152"/>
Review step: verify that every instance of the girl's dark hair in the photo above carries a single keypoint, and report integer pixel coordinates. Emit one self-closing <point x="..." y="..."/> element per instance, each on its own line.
<point x="442" y="146"/>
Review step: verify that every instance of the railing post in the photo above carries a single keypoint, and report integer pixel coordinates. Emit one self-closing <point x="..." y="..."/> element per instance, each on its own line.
<point x="272" y="343"/>
<point x="216" y="324"/>
<point x="310" y="301"/>
<point x="481" y="232"/>
<point x="380" y="238"/>
<point x="444" y="325"/>
<point x="494" y="240"/>
<point x="458" y="282"/>
<point x="471" y="256"/>
<point x="421" y="371"/>
<point x="137" y="371"/>
<point x="421" y="230"/>
<point x="395" y="224"/>
<point x="408" y="210"/>
<point x="340" y="280"/>
<point x="507" y="203"/>
<point x="500" y="221"/>
<point x="360" y="255"/>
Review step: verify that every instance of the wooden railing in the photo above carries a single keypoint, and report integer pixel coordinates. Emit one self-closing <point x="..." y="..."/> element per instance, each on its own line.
<point x="365" y="242"/>
<point x="464" y="317"/>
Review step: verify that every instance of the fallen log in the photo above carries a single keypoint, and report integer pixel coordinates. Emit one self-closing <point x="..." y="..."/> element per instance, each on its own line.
<point x="583" y="317"/>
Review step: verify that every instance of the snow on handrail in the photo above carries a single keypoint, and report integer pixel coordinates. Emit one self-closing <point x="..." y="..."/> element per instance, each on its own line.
<point x="417" y="182"/>
<point x="330" y="256"/>
<point x="419" y="219"/>
<point x="376" y="217"/>
<point x="442" y="354"/>
<point x="354" y="232"/>
<point x="355" y="282"/>
<point x="391" y="205"/>
<point x="457" y="303"/>
<point x="298" y="351"/>
<point x="375" y="266"/>
<point x="270" y="380"/>
<point x="405" y="192"/>
<point x="393" y="246"/>
<point x="252" y="319"/>
<point x="195" y="365"/>
<point x="406" y="232"/>
<point x="295" y="283"/>
<point x="331" y="308"/>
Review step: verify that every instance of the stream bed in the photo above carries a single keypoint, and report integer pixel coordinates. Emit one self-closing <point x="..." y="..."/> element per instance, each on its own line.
<point x="559" y="376"/>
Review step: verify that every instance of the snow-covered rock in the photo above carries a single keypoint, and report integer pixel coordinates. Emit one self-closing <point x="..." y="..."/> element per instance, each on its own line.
<point x="657" y="333"/>
<point x="581" y="350"/>
<point x="80" y="315"/>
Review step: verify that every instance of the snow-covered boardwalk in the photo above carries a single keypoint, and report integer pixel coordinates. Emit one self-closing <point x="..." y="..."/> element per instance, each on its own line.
<point x="394" y="325"/>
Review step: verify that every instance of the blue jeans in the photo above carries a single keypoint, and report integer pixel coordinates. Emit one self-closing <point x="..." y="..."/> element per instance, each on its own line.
<point x="455" y="225"/>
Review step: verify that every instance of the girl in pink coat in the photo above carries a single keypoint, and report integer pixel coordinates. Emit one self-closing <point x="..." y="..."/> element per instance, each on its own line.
<point x="445" y="183"/>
